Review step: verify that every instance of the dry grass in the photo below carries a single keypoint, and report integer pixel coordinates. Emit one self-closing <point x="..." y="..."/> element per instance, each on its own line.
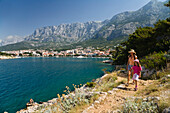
<point x="149" y="88"/>
<point x="163" y="105"/>
<point x="109" y="78"/>
<point x="108" y="83"/>
<point x="79" y="108"/>
<point x="159" y="88"/>
<point x="155" y="88"/>
<point x="82" y="106"/>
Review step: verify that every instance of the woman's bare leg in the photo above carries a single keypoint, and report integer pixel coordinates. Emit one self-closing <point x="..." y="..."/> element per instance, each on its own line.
<point x="129" y="73"/>
<point x="136" y="85"/>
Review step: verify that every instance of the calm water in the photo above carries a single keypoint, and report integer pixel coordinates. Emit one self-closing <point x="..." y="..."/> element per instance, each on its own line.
<point x="43" y="78"/>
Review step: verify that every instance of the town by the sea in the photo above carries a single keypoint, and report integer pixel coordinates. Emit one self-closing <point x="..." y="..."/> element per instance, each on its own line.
<point x="42" y="78"/>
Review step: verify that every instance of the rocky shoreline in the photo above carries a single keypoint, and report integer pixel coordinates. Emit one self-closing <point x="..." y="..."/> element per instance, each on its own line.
<point x="8" y="57"/>
<point x="38" y="106"/>
<point x="119" y="96"/>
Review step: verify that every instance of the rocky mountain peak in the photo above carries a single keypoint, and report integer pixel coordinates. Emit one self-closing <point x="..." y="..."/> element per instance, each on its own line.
<point x="73" y="32"/>
<point x="11" y="39"/>
<point x="126" y="23"/>
<point x="120" y="25"/>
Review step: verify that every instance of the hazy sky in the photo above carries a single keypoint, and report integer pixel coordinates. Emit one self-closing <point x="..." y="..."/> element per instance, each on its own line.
<point x="22" y="17"/>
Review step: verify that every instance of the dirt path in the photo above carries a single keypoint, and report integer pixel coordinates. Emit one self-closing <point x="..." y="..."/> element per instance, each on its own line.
<point x="115" y="99"/>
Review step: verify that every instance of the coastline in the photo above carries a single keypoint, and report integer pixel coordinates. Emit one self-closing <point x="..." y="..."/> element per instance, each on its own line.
<point x="53" y="101"/>
<point x="8" y="57"/>
<point x="119" y="89"/>
<point x="98" y="66"/>
<point x="111" y="100"/>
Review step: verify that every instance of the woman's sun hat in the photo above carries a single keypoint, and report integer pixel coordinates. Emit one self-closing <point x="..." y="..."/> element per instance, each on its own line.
<point x="136" y="60"/>
<point x="132" y="51"/>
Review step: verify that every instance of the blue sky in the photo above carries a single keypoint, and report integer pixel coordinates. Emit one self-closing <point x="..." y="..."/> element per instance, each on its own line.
<point x="22" y="17"/>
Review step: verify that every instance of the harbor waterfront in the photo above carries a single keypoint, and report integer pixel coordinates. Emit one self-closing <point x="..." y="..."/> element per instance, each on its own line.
<point x="42" y="78"/>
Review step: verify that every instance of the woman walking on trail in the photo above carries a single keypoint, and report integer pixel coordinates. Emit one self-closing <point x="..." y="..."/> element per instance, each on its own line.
<point x="130" y="64"/>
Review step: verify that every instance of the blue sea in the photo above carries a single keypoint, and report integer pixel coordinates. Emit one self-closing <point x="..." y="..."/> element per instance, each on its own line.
<point x="43" y="78"/>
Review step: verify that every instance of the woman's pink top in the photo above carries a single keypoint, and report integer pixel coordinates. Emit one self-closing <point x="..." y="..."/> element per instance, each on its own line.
<point x="137" y="69"/>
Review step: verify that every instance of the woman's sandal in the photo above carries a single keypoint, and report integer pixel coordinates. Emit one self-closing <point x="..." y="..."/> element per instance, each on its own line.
<point x="136" y="89"/>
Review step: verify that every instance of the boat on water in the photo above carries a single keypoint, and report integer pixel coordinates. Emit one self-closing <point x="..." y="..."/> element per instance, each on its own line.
<point x="81" y="57"/>
<point x="107" y="61"/>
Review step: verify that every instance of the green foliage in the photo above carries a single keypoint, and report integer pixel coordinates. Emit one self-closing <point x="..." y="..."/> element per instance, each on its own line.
<point x="90" y="84"/>
<point x="154" y="61"/>
<point x="145" y="41"/>
<point x="39" y="53"/>
<point x="108" y="86"/>
<point x="104" y="70"/>
<point x="97" y="42"/>
<point x="78" y="98"/>
<point x="17" y="46"/>
<point x="163" y="80"/>
<point x="4" y="54"/>
<point x="157" y="75"/>
<point x="140" y="107"/>
<point x="108" y="83"/>
<point x="160" y="75"/>
<point x="69" y="102"/>
<point x="142" y="41"/>
<point x="167" y="4"/>
<point x="109" y="78"/>
<point x="150" y="89"/>
<point x="119" y="57"/>
<point x="162" y="106"/>
<point x="62" y="46"/>
<point x="30" y="54"/>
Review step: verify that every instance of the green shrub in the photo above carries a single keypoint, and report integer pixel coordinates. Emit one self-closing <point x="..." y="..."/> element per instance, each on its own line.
<point x="65" y="103"/>
<point x="94" y="97"/>
<point x="156" y="75"/>
<point x="90" y="84"/>
<point x="108" y="83"/>
<point x="78" y="98"/>
<point x="151" y="89"/>
<point x="140" y="107"/>
<point x="110" y="78"/>
<point x="108" y="86"/>
<point x="105" y="71"/>
<point x="114" y="78"/>
<point x="163" y="80"/>
<point x="144" y="40"/>
<point x="154" y="61"/>
<point x="162" y="106"/>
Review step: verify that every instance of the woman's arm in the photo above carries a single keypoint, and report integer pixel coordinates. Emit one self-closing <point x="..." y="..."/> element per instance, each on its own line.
<point x="139" y="74"/>
<point x="127" y="64"/>
<point x="132" y="68"/>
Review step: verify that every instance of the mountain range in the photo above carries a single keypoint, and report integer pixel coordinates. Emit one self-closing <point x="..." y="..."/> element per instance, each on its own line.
<point x="94" y="33"/>
<point x="11" y="39"/>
